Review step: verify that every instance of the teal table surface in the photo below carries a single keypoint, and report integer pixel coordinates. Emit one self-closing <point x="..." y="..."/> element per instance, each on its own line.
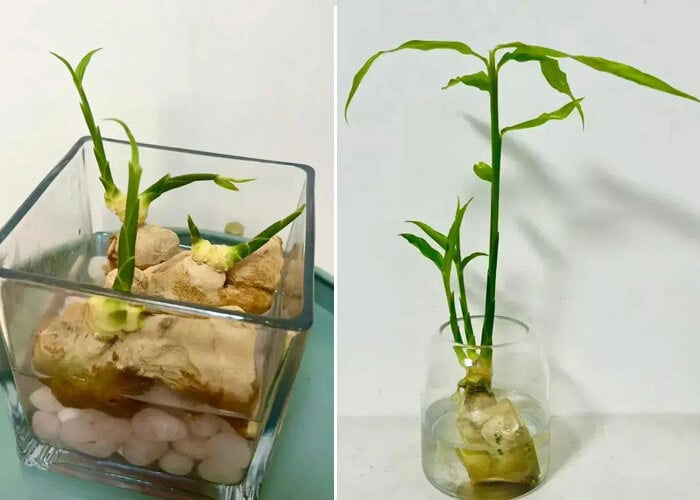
<point x="301" y="466"/>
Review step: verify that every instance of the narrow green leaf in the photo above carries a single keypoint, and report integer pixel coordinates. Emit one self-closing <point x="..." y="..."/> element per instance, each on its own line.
<point x="242" y="250"/>
<point x="168" y="183"/>
<point x="614" y="68"/>
<point x="558" y="81"/>
<point x="126" y="248"/>
<point x="483" y="171"/>
<point x="195" y="236"/>
<point x="414" y="45"/>
<point x="424" y="248"/>
<point x="65" y="62"/>
<point x="434" y="234"/>
<point x="80" y="68"/>
<point x="471" y="257"/>
<point x="558" y="114"/>
<point x="479" y="80"/>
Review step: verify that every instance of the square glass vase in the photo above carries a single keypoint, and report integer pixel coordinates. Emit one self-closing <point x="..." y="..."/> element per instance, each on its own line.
<point x="213" y="427"/>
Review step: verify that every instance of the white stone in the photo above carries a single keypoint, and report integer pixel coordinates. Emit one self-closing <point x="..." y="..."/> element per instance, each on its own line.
<point x="113" y="430"/>
<point x="43" y="399"/>
<point x="192" y="447"/>
<point x="141" y="452"/>
<point x="157" y="425"/>
<point x="45" y="425"/>
<point x="229" y="447"/>
<point x="219" y="471"/>
<point x="99" y="449"/>
<point x="78" y="430"/>
<point x="206" y="425"/>
<point x="176" y="463"/>
<point x="96" y="269"/>
<point x="66" y="414"/>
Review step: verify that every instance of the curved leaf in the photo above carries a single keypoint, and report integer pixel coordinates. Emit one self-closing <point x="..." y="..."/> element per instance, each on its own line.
<point x="558" y="114"/>
<point x="614" y="68"/>
<point x="479" y="80"/>
<point x="434" y="234"/>
<point x="558" y="81"/>
<point x="483" y="171"/>
<point x="460" y="47"/>
<point x="471" y="257"/>
<point x="424" y="248"/>
<point x="80" y="68"/>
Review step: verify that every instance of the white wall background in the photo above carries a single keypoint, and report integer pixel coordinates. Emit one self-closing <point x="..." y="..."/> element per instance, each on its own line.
<point x="600" y="230"/>
<point x="247" y="78"/>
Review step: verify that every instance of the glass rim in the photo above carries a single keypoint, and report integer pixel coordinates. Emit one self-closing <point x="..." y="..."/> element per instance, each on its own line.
<point x="300" y="322"/>
<point x="523" y="335"/>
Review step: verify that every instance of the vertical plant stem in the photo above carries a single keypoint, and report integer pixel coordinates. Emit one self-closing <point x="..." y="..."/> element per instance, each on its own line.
<point x="468" y="328"/>
<point x="454" y="325"/>
<point x="490" y="309"/>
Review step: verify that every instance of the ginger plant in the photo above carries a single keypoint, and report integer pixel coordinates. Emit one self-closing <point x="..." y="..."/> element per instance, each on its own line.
<point x="115" y="200"/>
<point x="474" y="393"/>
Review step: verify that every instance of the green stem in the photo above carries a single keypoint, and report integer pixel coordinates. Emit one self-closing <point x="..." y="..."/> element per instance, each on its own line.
<point x="490" y="309"/>
<point x="468" y="328"/>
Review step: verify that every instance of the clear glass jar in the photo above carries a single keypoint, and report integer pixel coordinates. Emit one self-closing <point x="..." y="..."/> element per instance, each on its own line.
<point x="218" y="388"/>
<point x="481" y="441"/>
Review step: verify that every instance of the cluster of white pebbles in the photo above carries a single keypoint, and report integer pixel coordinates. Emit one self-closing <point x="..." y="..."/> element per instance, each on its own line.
<point x="175" y="443"/>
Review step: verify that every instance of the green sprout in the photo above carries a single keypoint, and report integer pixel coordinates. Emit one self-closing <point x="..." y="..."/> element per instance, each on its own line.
<point x="488" y="81"/>
<point x="115" y="200"/>
<point x="224" y="257"/>
<point x="108" y="316"/>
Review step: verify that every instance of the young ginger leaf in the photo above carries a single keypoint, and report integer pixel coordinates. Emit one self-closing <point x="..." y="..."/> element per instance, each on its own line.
<point x="434" y="234"/>
<point x="424" y="248"/>
<point x="127" y="235"/>
<point x="558" y="114"/>
<point x="479" y="80"/>
<point x="111" y="190"/>
<point x="224" y="257"/>
<point x="614" y="68"/>
<point x="425" y="45"/>
<point x="483" y="171"/>
<point x="558" y="81"/>
<point x="471" y="257"/>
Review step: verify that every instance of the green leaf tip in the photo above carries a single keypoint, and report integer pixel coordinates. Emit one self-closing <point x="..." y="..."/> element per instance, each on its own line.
<point x="423" y="45"/>
<point x="194" y="230"/>
<point x="424" y="248"/>
<point x="132" y="140"/>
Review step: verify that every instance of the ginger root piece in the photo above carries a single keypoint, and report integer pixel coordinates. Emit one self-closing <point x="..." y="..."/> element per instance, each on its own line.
<point x="250" y="284"/>
<point x="154" y="244"/>
<point x="209" y="360"/>
<point x="498" y="446"/>
<point x="139" y="285"/>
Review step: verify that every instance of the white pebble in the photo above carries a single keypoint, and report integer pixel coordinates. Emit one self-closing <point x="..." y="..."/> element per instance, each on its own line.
<point x="78" y="430"/>
<point x="192" y="447"/>
<point x="96" y="269"/>
<point x="206" y="425"/>
<point x="230" y="448"/>
<point x="176" y="463"/>
<point x="66" y="414"/>
<point x="43" y="399"/>
<point x="99" y="449"/>
<point x="141" y="452"/>
<point x="45" y="425"/>
<point x="113" y="430"/>
<point x="157" y="425"/>
<point x="219" y="471"/>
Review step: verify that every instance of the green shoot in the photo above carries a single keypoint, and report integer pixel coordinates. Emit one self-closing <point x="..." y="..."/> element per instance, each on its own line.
<point x="115" y="200"/>
<point x="77" y="74"/>
<point x="224" y="257"/>
<point x="488" y="81"/>
<point x="110" y="316"/>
